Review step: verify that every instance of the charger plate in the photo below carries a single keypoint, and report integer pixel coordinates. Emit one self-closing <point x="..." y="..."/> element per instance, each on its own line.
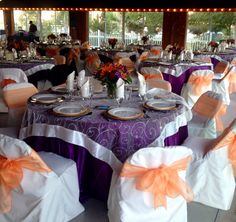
<point x="125" y="113"/>
<point x="159" y="104"/>
<point x="46" y="98"/>
<point x="59" y="89"/>
<point x="70" y="110"/>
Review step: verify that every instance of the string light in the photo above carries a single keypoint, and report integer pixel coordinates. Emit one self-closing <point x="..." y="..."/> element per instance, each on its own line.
<point x="127" y="9"/>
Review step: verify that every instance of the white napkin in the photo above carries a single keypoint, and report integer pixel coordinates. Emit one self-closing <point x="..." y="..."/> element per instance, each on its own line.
<point x="85" y="88"/>
<point x="170" y="55"/>
<point x="81" y="77"/>
<point x="181" y="56"/>
<point x="191" y="55"/>
<point x="142" y="84"/>
<point x="70" y="81"/>
<point x="120" y="88"/>
<point x="14" y="53"/>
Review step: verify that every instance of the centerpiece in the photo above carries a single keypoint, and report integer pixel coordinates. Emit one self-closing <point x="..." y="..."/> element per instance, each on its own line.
<point x="214" y="45"/>
<point x="231" y="41"/>
<point x="112" y="42"/>
<point x="176" y="52"/>
<point x="109" y="73"/>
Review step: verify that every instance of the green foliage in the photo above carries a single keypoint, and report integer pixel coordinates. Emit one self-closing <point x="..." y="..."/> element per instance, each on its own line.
<point x="201" y="22"/>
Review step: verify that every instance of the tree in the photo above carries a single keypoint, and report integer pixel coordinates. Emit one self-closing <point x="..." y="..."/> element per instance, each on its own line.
<point x="136" y="21"/>
<point x="215" y="22"/>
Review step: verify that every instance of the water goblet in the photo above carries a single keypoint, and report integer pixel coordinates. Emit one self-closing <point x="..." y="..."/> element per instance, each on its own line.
<point x="119" y="100"/>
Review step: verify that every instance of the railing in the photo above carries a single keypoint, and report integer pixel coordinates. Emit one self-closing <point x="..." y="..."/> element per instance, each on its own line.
<point x="96" y="39"/>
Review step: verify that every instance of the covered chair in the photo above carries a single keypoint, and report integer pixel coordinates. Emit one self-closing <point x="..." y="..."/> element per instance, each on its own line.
<point x="15" y="96"/>
<point x="35" y="188"/>
<point x="151" y="186"/>
<point x="92" y="63"/>
<point x="221" y="69"/>
<point x="151" y="73"/>
<point x="126" y="61"/>
<point x="158" y="83"/>
<point x="207" y="111"/>
<point x="210" y="174"/>
<point x="233" y="62"/>
<point x="199" y="82"/>
<point x="59" y="59"/>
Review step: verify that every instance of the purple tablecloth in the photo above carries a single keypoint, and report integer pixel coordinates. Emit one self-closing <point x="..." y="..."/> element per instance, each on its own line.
<point x="172" y="73"/>
<point x="97" y="145"/>
<point x="24" y="66"/>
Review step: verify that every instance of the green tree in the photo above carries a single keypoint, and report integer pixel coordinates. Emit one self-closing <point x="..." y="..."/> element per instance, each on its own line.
<point x="136" y="21"/>
<point x="201" y="22"/>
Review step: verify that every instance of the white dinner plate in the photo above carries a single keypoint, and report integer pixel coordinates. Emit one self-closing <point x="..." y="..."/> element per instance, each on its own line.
<point x="59" y="89"/>
<point x="46" y="98"/>
<point x="159" y="104"/>
<point x="70" y="110"/>
<point x="125" y="113"/>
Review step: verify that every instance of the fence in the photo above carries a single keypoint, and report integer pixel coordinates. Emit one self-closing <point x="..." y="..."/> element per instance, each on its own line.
<point x="99" y="38"/>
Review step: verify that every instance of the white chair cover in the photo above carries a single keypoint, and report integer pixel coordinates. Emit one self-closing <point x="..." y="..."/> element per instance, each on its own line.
<point x="199" y="82"/>
<point x="210" y="173"/>
<point x="13" y="73"/>
<point x="52" y="196"/>
<point x="126" y="203"/>
<point x="15" y="96"/>
<point x="203" y="123"/>
<point x="151" y="73"/>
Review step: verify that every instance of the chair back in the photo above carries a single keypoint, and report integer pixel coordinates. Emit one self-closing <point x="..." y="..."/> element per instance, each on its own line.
<point x="151" y="73"/>
<point x="92" y="62"/>
<point x="208" y="104"/>
<point x="158" y="83"/>
<point x="221" y="67"/>
<point x="59" y="59"/>
<point x="144" y="184"/>
<point x="126" y="61"/>
<point x="200" y="81"/>
<point x="12" y="74"/>
<point x="16" y="95"/>
<point x="233" y="62"/>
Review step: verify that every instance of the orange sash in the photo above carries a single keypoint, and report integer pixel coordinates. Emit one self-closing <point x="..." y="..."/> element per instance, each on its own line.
<point x="5" y="82"/>
<point x="11" y="174"/>
<point x="199" y="82"/>
<point x="218" y="116"/>
<point x="153" y="76"/>
<point x="232" y="82"/>
<point x="161" y="181"/>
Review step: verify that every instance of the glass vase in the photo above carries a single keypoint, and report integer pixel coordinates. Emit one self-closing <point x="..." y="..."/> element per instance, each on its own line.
<point x="111" y="91"/>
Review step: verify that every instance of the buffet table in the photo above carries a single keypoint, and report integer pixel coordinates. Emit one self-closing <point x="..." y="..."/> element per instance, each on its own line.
<point x="99" y="145"/>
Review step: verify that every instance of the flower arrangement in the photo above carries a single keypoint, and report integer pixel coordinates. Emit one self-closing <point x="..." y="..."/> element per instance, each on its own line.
<point x="109" y="73"/>
<point x="214" y="45"/>
<point x="175" y="51"/>
<point x="112" y="42"/>
<point x="145" y="39"/>
<point x="230" y="41"/>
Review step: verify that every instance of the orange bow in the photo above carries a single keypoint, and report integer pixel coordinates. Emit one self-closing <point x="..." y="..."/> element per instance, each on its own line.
<point x="5" y="82"/>
<point x="199" y="82"/>
<point x="91" y="59"/>
<point x="11" y="174"/>
<point x="232" y="82"/>
<point x="161" y="182"/>
<point x="153" y="76"/>
<point x="218" y="116"/>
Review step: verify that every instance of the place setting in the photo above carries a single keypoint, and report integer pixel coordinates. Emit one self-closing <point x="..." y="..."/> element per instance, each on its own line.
<point x="46" y="99"/>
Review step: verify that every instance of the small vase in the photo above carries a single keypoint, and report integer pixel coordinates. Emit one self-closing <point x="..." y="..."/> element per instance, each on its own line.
<point x="111" y="91"/>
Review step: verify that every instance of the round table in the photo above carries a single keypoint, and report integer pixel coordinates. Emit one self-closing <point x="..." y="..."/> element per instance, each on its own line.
<point x="100" y="145"/>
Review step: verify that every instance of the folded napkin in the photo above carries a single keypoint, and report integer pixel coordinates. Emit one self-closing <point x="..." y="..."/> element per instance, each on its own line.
<point x="181" y="56"/>
<point x="170" y="55"/>
<point x="81" y="77"/>
<point x="85" y="88"/>
<point x="120" y="88"/>
<point x="70" y="81"/>
<point x="14" y="53"/>
<point x="142" y="84"/>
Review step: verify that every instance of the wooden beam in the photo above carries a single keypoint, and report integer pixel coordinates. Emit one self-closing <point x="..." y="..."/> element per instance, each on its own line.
<point x="174" y="29"/>
<point x="9" y="22"/>
<point x="79" y="25"/>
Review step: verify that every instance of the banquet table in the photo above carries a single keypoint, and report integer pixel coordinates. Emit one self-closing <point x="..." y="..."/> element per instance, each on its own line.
<point x="176" y="73"/>
<point x="218" y="56"/>
<point x="100" y="145"/>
